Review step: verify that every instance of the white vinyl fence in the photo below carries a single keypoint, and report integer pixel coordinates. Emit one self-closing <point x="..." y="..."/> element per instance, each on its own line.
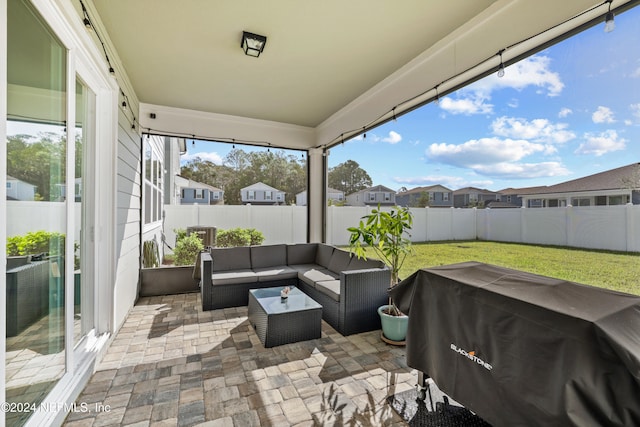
<point x="594" y="227"/>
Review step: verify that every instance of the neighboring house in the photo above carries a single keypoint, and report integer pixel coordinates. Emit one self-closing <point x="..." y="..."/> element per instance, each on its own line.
<point x="376" y="195"/>
<point x="261" y="194"/>
<point x="613" y="187"/>
<point x="20" y="190"/>
<point x="173" y="149"/>
<point x="433" y="196"/>
<point x="193" y="192"/>
<point x="333" y="196"/>
<point x="470" y="197"/>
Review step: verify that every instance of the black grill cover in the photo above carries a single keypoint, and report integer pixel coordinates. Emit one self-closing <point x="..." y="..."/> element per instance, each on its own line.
<point x="525" y="350"/>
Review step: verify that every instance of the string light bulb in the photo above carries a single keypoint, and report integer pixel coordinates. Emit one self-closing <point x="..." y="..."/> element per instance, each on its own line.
<point x="501" y="67"/>
<point x="609" y="24"/>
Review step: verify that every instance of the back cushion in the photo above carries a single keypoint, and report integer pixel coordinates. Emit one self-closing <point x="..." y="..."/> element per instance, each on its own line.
<point x="268" y="256"/>
<point x="231" y="258"/>
<point x="339" y="261"/>
<point x="323" y="254"/>
<point x="303" y="253"/>
<point x="363" y="264"/>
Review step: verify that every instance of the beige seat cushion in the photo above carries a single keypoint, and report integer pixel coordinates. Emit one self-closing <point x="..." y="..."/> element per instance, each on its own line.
<point x="312" y="276"/>
<point x="267" y="274"/>
<point x="233" y="277"/>
<point x="330" y="288"/>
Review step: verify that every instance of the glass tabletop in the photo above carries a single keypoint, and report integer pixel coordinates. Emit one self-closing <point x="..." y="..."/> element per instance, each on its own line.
<point x="270" y="300"/>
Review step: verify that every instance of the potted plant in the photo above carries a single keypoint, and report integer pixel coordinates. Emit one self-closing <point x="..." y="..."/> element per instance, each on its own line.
<point x="386" y="233"/>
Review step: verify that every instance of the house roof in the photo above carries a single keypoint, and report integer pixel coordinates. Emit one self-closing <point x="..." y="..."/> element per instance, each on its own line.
<point x="467" y="190"/>
<point x="379" y="69"/>
<point x="419" y="190"/>
<point x="189" y="183"/>
<point x="613" y="179"/>
<point x="375" y="188"/>
<point x="260" y="186"/>
<point x="520" y="191"/>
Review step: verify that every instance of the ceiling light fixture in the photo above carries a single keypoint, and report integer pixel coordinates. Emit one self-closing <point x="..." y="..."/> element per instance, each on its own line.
<point x="609" y="24"/>
<point x="252" y="44"/>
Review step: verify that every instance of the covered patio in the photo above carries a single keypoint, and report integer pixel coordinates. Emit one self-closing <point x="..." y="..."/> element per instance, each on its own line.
<point x="134" y="74"/>
<point x="171" y="364"/>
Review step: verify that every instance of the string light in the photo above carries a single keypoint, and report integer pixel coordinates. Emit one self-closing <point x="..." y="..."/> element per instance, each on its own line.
<point x="501" y="68"/>
<point x="609" y="24"/>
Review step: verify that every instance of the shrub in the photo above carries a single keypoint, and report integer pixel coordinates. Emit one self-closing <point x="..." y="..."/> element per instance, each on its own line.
<point x="36" y="242"/>
<point x="232" y="238"/>
<point x="187" y="249"/>
<point x="239" y="237"/>
<point x="256" y="237"/>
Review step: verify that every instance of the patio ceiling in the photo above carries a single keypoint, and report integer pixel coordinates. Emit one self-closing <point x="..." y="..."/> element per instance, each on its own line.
<point x="329" y="66"/>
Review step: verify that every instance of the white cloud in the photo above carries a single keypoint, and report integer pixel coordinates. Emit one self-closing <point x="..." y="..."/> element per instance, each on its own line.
<point x="636" y="73"/>
<point x="483" y="151"/>
<point x="212" y="157"/>
<point x="466" y="106"/>
<point x="393" y="138"/>
<point x="537" y="130"/>
<point x="635" y="110"/>
<point x="523" y="170"/>
<point x="565" y="112"/>
<point x="603" y="115"/>
<point x="602" y="143"/>
<point x="532" y="71"/>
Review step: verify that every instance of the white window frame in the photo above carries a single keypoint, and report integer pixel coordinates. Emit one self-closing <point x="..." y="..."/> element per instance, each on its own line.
<point x="445" y="196"/>
<point x="152" y="192"/>
<point x="251" y="195"/>
<point x="268" y="195"/>
<point x="199" y="193"/>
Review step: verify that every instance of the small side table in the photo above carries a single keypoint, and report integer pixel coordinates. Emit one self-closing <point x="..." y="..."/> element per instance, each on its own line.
<point x="279" y="321"/>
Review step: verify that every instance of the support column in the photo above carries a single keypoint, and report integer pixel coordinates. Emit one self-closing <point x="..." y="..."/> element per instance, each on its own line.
<point x="316" y="195"/>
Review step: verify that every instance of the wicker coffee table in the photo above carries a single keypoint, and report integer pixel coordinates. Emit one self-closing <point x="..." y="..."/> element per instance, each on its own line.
<point x="279" y="321"/>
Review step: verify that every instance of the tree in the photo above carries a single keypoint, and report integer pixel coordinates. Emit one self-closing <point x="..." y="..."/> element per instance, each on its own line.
<point x="349" y="177"/>
<point x="41" y="162"/>
<point x="241" y="169"/>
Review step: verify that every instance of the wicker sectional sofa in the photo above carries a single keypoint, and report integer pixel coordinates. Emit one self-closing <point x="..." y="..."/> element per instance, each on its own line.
<point x="349" y="289"/>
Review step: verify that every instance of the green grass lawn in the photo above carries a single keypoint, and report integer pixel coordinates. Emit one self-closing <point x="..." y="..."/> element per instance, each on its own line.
<point x="612" y="270"/>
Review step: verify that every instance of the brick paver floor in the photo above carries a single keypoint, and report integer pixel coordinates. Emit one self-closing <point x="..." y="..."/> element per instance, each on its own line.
<point x="171" y="364"/>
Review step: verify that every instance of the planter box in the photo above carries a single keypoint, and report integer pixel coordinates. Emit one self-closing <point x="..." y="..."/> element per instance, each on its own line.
<point x="167" y="281"/>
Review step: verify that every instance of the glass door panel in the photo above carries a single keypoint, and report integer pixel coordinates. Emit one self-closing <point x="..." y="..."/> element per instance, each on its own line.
<point x="36" y="214"/>
<point x="84" y="178"/>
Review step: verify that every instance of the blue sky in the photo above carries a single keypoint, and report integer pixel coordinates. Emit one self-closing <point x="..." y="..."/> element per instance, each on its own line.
<point x="569" y="111"/>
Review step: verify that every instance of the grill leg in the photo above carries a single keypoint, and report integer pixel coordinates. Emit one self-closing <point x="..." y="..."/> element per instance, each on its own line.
<point x="421" y="387"/>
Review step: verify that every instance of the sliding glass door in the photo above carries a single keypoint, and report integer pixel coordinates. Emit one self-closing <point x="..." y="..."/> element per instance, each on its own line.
<point x="49" y="222"/>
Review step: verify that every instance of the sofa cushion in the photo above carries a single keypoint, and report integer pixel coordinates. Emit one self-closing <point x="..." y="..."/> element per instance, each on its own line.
<point x="323" y="254"/>
<point x="363" y="264"/>
<point x="281" y="272"/>
<point x="225" y="259"/>
<point x="233" y="277"/>
<point x="303" y="253"/>
<point x="313" y="275"/>
<point x="339" y="261"/>
<point x="268" y="256"/>
<point x="330" y="288"/>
